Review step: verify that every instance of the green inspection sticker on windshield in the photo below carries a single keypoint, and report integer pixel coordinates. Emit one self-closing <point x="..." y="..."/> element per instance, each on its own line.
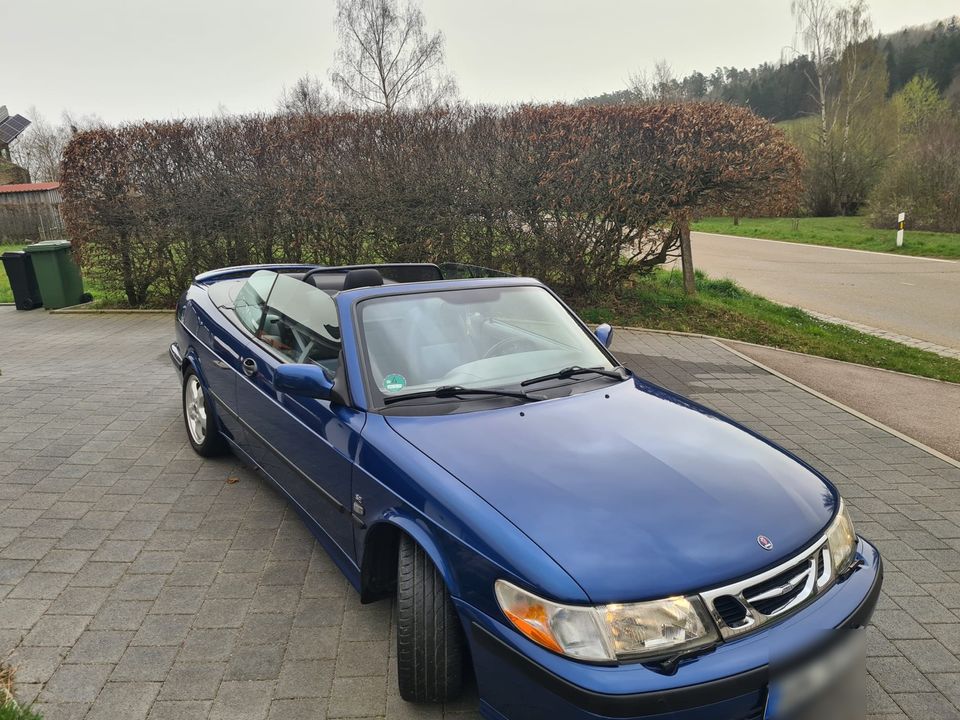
<point x="394" y="382"/>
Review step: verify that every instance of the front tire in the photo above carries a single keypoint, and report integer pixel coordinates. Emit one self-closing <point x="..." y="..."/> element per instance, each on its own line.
<point x="202" y="430"/>
<point x="429" y="635"/>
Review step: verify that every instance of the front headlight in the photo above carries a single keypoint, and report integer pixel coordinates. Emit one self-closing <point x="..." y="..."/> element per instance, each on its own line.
<point x="609" y="632"/>
<point x="842" y="540"/>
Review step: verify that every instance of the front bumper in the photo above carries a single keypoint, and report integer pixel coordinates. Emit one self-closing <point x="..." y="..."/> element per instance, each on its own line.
<point x="521" y="681"/>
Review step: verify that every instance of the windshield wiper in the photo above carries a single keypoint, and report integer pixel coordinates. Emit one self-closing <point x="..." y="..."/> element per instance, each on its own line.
<point x="450" y="391"/>
<point x="619" y="374"/>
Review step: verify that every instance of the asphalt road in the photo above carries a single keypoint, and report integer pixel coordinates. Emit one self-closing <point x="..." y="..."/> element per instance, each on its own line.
<point x="918" y="297"/>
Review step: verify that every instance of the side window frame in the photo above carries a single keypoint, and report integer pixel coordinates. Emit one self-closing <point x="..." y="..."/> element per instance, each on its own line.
<point x="284" y="301"/>
<point x="263" y="299"/>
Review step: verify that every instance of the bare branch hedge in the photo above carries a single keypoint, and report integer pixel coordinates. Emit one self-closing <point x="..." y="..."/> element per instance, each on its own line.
<point x="581" y="197"/>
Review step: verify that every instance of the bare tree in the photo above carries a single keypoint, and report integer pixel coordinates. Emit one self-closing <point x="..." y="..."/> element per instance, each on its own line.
<point x="814" y="20"/>
<point x="387" y="59"/>
<point x="848" y="81"/>
<point x="40" y="149"/>
<point x="660" y="85"/>
<point x="836" y="39"/>
<point x="308" y="96"/>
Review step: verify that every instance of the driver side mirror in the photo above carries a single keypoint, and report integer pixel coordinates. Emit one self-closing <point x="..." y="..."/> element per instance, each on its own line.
<point x="305" y="380"/>
<point x="604" y="334"/>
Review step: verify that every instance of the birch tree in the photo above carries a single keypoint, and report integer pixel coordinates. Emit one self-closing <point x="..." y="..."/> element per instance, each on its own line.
<point x="387" y="59"/>
<point x="848" y="80"/>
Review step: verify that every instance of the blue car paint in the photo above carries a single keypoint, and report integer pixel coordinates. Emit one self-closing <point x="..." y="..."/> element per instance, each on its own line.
<point x="474" y="542"/>
<point x="305" y="380"/>
<point x="305" y="445"/>
<point x="682" y="495"/>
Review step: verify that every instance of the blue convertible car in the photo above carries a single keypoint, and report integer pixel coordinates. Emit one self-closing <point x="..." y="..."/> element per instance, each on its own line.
<point x="583" y="542"/>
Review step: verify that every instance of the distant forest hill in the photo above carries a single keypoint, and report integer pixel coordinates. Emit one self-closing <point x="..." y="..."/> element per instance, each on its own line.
<point x="782" y="91"/>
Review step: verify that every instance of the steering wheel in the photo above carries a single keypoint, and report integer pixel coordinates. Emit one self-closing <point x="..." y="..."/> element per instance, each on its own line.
<point x="509" y="346"/>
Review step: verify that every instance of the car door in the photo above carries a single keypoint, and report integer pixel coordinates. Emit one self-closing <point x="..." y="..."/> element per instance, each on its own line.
<point x="221" y="350"/>
<point x="306" y="446"/>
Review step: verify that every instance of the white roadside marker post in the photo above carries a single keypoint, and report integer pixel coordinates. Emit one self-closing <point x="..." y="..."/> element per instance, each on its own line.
<point x="900" y="220"/>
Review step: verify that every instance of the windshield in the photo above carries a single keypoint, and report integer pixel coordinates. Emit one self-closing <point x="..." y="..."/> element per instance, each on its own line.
<point x="476" y="338"/>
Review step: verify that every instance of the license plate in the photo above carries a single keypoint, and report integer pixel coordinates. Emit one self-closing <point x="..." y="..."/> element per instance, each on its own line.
<point x="826" y="686"/>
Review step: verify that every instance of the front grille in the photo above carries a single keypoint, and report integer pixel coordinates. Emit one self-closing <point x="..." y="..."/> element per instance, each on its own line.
<point x="746" y="605"/>
<point x="771" y="606"/>
<point x="771" y="596"/>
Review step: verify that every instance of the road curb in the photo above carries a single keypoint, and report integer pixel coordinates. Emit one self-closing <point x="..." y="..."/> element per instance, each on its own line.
<point x="796" y="383"/>
<point x="107" y="311"/>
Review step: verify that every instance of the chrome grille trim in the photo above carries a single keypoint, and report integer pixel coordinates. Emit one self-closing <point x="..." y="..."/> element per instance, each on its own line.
<point x="812" y="573"/>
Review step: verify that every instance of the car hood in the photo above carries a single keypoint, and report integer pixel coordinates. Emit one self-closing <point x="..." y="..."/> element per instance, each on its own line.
<point x="635" y="492"/>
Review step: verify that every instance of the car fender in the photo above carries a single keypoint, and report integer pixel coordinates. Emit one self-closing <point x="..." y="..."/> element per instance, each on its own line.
<point x="414" y="528"/>
<point x="191" y="360"/>
<point x="470" y="542"/>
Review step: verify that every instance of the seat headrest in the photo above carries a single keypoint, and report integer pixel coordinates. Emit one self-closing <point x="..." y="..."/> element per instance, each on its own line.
<point x="364" y="277"/>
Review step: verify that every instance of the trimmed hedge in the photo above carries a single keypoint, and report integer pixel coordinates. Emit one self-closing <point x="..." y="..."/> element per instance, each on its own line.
<point x="580" y="197"/>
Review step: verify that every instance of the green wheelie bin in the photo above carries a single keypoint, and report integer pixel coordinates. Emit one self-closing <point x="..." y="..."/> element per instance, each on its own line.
<point x="57" y="274"/>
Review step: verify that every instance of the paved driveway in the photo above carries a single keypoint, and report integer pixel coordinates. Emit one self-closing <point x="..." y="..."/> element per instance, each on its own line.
<point x="914" y="297"/>
<point x="136" y="582"/>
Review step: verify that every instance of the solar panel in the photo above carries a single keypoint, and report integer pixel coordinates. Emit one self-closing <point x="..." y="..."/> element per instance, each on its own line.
<point x="11" y="127"/>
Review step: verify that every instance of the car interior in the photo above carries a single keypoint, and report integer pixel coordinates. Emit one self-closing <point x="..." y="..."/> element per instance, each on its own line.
<point x="426" y="340"/>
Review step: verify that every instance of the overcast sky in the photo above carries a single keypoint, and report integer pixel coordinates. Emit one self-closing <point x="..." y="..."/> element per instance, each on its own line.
<point x="131" y="59"/>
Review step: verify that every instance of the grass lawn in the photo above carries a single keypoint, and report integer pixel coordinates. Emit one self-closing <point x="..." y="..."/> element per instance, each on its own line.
<point x="723" y="308"/>
<point x="9" y="711"/>
<point x="846" y="232"/>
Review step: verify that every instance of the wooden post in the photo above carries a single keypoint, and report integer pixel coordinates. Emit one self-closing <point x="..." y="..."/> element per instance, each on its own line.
<point x="686" y="258"/>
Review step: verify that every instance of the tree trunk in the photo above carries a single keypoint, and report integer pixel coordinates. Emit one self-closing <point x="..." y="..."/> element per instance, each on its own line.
<point x="686" y="258"/>
<point x="126" y="269"/>
<point x="736" y="220"/>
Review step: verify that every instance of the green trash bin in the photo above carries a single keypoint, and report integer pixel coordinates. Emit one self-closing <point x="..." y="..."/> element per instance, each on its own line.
<point x="57" y="274"/>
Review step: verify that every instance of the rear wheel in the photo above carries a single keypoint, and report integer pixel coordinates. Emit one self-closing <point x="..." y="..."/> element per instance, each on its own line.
<point x="202" y="430"/>
<point x="429" y="636"/>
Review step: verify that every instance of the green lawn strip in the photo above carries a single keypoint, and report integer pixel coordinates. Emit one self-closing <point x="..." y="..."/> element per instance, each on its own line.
<point x="10" y="711"/>
<point x="724" y="309"/>
<point x="845" y="232"/>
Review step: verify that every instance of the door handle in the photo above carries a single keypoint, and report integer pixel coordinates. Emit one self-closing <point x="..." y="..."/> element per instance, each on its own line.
<point x="249" y="367"/>
<point x="226" y="348"/>
<point x="220" y="364"/>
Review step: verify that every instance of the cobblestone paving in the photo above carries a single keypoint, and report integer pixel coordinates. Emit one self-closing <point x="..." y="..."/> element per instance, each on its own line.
<point x="136" y="582"/>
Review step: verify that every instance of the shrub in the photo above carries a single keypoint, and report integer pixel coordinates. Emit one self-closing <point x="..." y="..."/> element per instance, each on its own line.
<point x="923" y="180"/>
<point x="581" y="197"/>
